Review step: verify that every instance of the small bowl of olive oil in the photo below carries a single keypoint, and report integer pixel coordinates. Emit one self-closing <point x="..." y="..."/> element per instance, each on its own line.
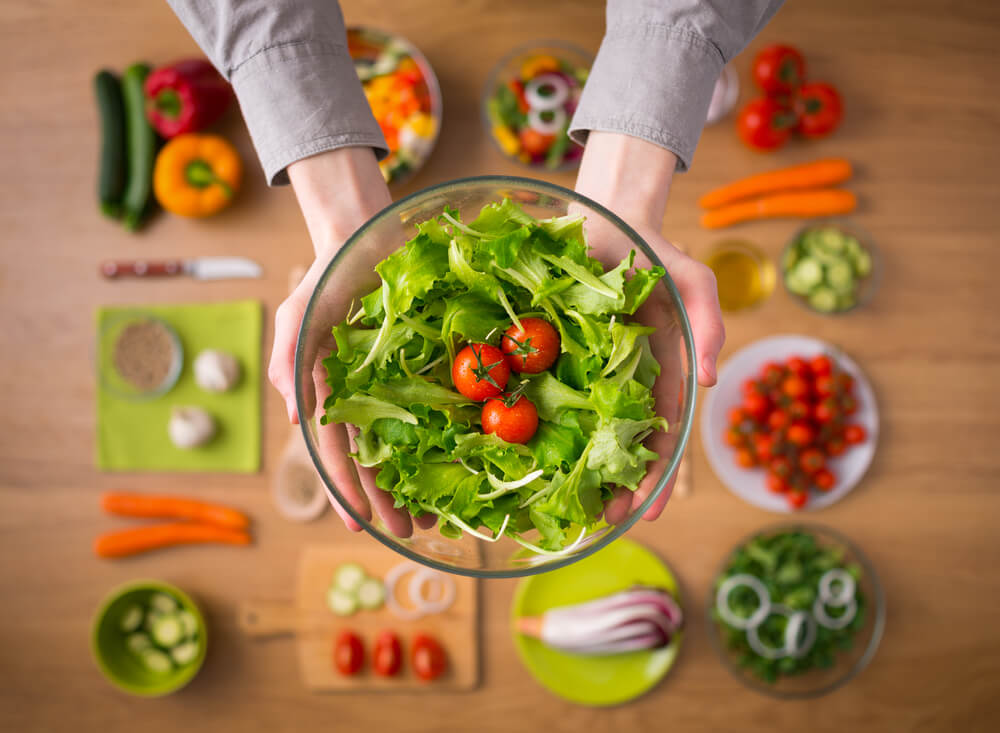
<point x="745" y="276"/>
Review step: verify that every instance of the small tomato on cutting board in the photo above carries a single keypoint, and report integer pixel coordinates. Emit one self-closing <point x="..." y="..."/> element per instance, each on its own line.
<point x="387" y="657"/>
<point x="348" y="653"/>
<point x="428" y="658"/>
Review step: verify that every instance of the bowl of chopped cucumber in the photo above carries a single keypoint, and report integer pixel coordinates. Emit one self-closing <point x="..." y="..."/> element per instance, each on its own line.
<point x="831" y="267"/>
<point x="148" y="638"/>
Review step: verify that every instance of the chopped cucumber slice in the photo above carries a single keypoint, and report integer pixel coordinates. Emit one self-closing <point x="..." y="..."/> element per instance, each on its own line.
<point x="167" y="630"/>
<point x="131" y="619"/>
<point x="162" y="603"/>
<point x="151" y="615"/>
<point x="138" y="642"/>
<point x="371" y="594"/>
<point x="184" y="653"/>
<point x="341" y="602"/>
<point x="349" y="577"/>
<point x="806" y="275"/>
<point x="845" y="301"/>
<point x="823" y="299"/>
<point x="863" y="264"/>
<point x="189" y="623"/>
<point x="840" y="277"/>
<point x="832" y="241"/>
<point x="157" y="661"/>
<point x="853" y="246"/>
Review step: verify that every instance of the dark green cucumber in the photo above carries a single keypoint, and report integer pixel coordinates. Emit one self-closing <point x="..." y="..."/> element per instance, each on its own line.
<point x="111" y="175"/>
<point x="141" y="141"/>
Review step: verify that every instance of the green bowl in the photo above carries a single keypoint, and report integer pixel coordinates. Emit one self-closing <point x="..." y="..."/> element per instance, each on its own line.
<point x="117" y="663"/>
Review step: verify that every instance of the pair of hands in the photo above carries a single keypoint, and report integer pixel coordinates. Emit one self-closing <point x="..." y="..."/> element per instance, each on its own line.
<point x="339" y="190"/>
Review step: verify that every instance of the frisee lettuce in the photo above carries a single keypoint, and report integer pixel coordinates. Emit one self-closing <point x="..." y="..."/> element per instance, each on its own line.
<point x="454" y="283"/>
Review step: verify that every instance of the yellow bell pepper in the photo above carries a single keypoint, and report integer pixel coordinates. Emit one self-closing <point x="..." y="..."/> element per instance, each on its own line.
<point x="537" y="65"/>
<point x="196" y="175"/>
<point x="507" y="139"/>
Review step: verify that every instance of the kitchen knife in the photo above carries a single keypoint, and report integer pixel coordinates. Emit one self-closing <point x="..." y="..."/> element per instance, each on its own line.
<point x="201" y="268"/>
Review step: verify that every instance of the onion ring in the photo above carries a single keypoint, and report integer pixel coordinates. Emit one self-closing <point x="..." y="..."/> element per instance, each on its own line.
<point x="795" y="622"/>
<point x="838" y="622"/>
<point x="846" y="593"/>
<point x="420" y="576"/>
<point x="722" y="601"/>
<point x="536" y="100"/>
<point x="547" y="127"/>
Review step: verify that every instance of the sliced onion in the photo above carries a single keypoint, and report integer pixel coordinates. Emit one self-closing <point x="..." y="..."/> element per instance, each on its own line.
<point x="539" y="101"/>
<point x="838" y="622"/>
<point x="722" y="601"/>
<point x="551" y="553"/>
<point x="467" y="467"/>
<point x="755" y="642"/>
<point x="392" y="579"/>
<point x="511" y="485"/>
<point x="421" y="580"/>
<point x="547" y="127"/>
<point x="846" y="593"/>
<point x="795" y="622"/>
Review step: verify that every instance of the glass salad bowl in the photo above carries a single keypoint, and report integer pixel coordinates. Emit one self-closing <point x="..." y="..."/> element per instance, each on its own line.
<point x="437" y="542"/>
<point x="821" y="594"/>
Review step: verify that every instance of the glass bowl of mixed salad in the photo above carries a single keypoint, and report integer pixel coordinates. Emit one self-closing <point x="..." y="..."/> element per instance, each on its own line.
<point x="404" y="95"/>
<point x="529" y="101"/>
<point x="522" y="396"/>
<point x="796" y="611"/>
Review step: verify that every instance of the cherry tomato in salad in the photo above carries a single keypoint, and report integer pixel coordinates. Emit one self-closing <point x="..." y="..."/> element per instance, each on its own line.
<point x="778" y="419"/>
<point x="779" y="69"/>
<point x="855" y="434"/>
<point x="480" y="372"/>
<point x="534" y="142"/>
<point x="811" y="460"/>
<point x="824" y="479"/>
<point x="348" y="653"/>
<point x="820" y="365"/>
<point x="532" y="348"/>
<point x="776" y="484"/>
<point x="819" y="109"/>
<point x="387" y="657"/>
<point x="765" y="124"/>
<point x="797" y="498"/>
<point x="800" y="434"/>
<point x="745" y="458"/>
<point x="514" y="421"/>
<point x="795" y="387"/>
<point x="427" y="657"/>
<point x="781" y="466"/>
<point x="756" y="405"/>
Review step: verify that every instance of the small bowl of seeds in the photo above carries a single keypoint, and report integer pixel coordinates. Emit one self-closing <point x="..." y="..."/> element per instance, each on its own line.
<point x="139" y="355"/>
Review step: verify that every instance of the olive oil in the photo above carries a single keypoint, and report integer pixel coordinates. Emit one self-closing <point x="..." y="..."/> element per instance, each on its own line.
<point x="744" y="275"/>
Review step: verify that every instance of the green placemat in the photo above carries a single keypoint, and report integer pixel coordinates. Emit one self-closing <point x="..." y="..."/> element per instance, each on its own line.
<point x="132" y="435"/>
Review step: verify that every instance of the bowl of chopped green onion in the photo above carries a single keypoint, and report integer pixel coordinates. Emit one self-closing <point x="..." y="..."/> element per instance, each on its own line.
<point x="831" y="267"/>
<point x="796" y="611"/>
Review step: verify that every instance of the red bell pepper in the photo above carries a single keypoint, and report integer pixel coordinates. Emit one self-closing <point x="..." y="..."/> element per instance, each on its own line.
<point x="187" y="96"/>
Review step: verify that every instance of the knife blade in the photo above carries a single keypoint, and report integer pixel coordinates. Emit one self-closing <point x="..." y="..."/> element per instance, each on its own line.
<point x="200" y="268"/>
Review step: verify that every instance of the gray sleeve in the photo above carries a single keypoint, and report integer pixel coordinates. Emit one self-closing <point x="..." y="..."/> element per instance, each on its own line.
<point x="657" y="65"/>
<point x="293" y="76"/>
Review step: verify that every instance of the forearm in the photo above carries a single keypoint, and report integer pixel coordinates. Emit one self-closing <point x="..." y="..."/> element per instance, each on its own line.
<point x="338" y="191"/>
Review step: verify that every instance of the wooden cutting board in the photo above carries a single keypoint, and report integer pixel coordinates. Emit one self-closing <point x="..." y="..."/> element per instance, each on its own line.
<point x="315" y="626"/>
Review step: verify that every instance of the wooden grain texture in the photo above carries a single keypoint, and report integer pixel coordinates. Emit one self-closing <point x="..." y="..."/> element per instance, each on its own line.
<point x="919" y="82"/>
<point x="308" y="618"/>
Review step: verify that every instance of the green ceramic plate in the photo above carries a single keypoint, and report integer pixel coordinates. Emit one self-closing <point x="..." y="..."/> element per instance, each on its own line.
<point x="598" y="681"/>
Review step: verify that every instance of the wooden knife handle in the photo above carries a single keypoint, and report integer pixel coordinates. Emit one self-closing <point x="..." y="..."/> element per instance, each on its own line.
<point x="142" y="268"/>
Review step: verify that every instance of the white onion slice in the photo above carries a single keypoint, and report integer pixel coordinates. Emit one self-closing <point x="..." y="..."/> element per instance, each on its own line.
<point x="510" y="485"/>
<point x="392" y="579"/>
<point x="539" y="101"/>
<point x="467" y="467"/>
<point x="795" y="622"/>
<point x="838" y="622"/>
<point x="847" y="587"/>
<point x="421" y="580"/>
<point x="771" y="652"/>
<point x="722" y="601"/>
<point x="547" y="127"/>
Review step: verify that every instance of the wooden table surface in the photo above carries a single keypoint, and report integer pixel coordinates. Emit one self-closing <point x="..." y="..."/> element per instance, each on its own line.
<point x="921" y="125"/>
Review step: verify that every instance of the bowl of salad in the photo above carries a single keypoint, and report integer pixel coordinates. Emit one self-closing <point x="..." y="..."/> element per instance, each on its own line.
<point x="529" y="100"/>
<point x="470" y="361"/>
<point x="404" y="96"/>
<point x="796" y="611"/>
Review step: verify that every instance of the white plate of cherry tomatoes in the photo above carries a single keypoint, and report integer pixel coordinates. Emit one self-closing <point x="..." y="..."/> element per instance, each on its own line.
<point x="792" y="424"/>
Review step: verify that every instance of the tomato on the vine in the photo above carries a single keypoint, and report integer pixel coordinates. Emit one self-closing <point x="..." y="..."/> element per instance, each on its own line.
<point x="811" y="460"/>
<point x="798" y="366"/>
<point x="480" y="372"/>
<point x="745" y="459"/>
<point x="824" y="479"/>
<point x="855" y="434"/>
<point x="532" y="348"/>
<point x="736" y="416"/>
<point x="820" y="365"/>
<point x="512" y="418"/>
<point x="848" y="404"/>
<point x="825" y="411"/>
<point x="779" y="69"/>
<point x="765" y="124"/>
<point x="835" y="447"/>
<point x="734" y="437"/>
<point x="776" y="484"/>
<point x="778" y="419"/>
<point x="773" y="374"/>
<point x="799" y="410"/>
<point x="824" y="385"/>
<point x="763" y="445"/>
<point x="795" y="387"/>
<point x="756" y="405"/>
<point x="819" y="109"/>
<point x="800" y="434"/>
<point x="797" y="498"/>
<point x="753" y="387"/>
<point x="781" y="466"/>
<point x="843" y="382"/>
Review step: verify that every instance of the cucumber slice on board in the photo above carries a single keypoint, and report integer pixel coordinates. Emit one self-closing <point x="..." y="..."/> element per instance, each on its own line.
<point x="371" y="594"/>
<point x="138" y="642"/>
<point x="131" y="619"/>
<point x="341" y="602"/>
<point x="157" y="661"/>
<point x="167" y="631"/>
<point x="184" y="653"/>
<point x="349" y="577"/>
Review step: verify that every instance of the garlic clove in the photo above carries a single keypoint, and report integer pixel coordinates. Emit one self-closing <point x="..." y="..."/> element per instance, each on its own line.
<point x="190" y="427"/>
<point x="216" y="371"/>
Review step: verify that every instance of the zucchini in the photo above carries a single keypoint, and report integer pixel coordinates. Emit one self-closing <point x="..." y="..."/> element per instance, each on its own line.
<point x="138" y="642"/>
<point x="162" y="603"/>
<point x="341" y="602"/>
<point x="371" y="594"/>
<point x="349" y="577"/>
<point x="157" y="661"/>
<point x="184" y="653"/>
<point x="167" y="631"/>
<point x="131" y="619"/>
<point x="111" y="170"/>
<point x="141" y="147"/>
<point x="808" y="273"/>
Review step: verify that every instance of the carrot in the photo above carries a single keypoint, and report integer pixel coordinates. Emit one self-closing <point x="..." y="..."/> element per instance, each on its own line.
<point x="818" y="202"/>
<point x="826" y="172"/>
<point x="154" y="536"/>
<point x="170" y="507"/>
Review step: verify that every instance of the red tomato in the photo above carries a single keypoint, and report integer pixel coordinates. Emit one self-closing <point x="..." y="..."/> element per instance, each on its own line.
<point x="427" y="657"/>
<point x="799" y="482"/>
<point x="781" y="466"/>
<point x="855" y="434"/>
<point x="799" y="410"/>
<point x="480" y="371"/>
<point x="811" y="460"/>
<point x="820" y="365"/>
<point x="753" y="387"/>
<point x="843" y="382"/>
<point x="765" y="124"/>
<point x="348" y="653"/>
<point x="531" y="349"/>
<point x="763" y="446"/>
<point x="756" y="405"/>
<point x="387" y="658"/>
<point x="824" y="479"/>
<point x="835" y="447"/>
<point x="797" y="365"/>
<point x="745" y="459"/>
<point x="797" y="498"/>
<point x="800" y="434"/>
<point x="534" y="142"/>
<point x="515" y="422"/>
<point x="778" y="419"/>
<point x="779" y="69"/>
<point x="736" y="416"/>
<point x="773" y="374"/>
<point x="776" y="484"/>
<point x="825" y="411"/>
<point x="848" y="404"/>
<point x="795" y="387"/>
<point x="824" y="385"/>
<point x="734" y="437"/>
<point x="819" y="109"/>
